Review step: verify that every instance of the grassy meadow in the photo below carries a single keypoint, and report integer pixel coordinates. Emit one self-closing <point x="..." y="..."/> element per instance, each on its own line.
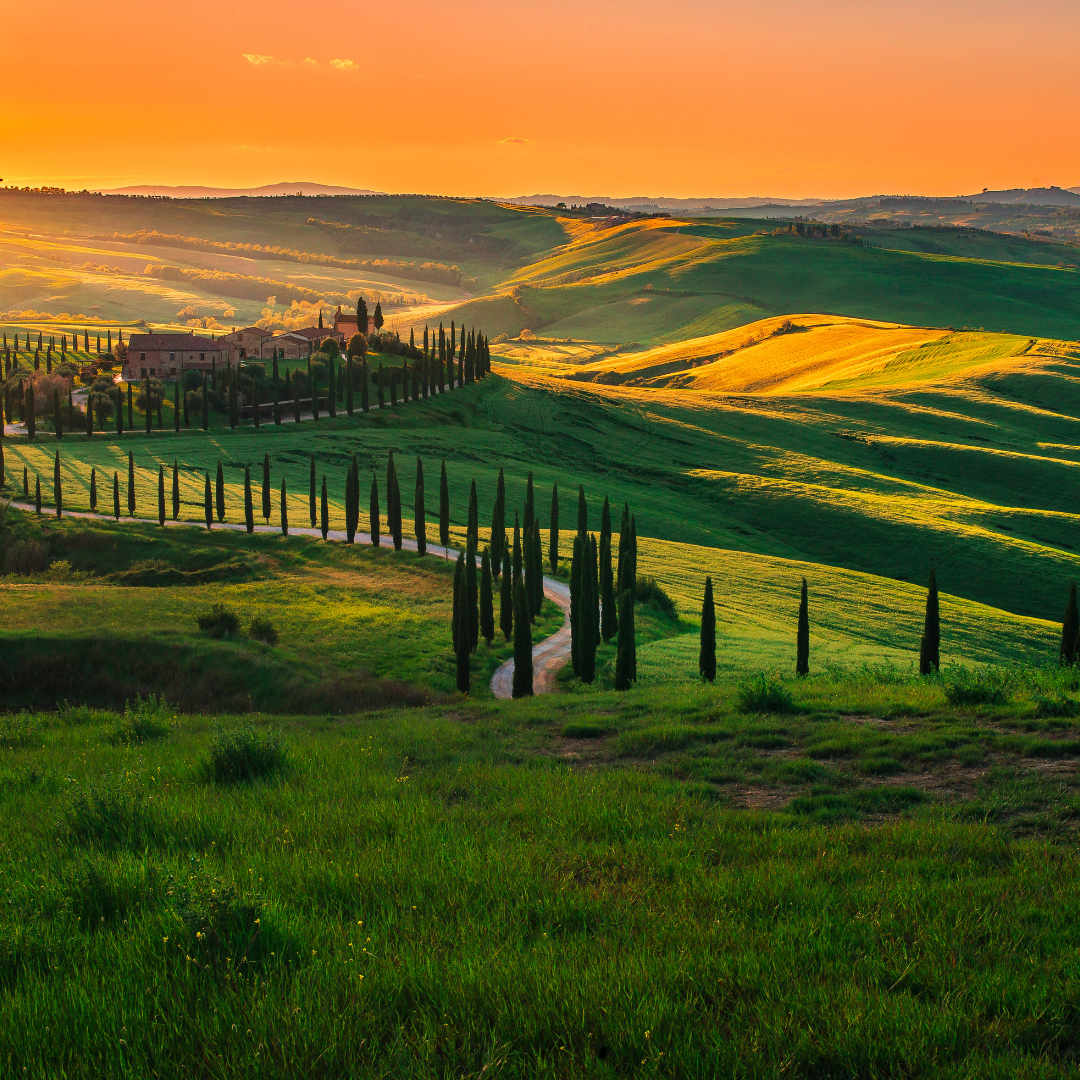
<point x="609" y="885"/>
<point x="302" y="853"/>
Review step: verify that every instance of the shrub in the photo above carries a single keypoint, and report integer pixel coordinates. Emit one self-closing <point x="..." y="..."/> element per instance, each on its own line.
<point x="150" y="719"/>
<point x="650" y="592"/>
<point x="219" y="622"/>
<point x="984" y="686"/>
<point x="26" y="557"/>
<point x="262" y="629"/>
<point x="1057" y="706"/>
<point x="764" y="694"/>
<point x="244" y="753"/>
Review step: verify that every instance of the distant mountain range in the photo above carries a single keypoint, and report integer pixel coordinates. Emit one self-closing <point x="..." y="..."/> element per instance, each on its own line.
<point x="298" y="187"/>
<point x="1048" y="196"/>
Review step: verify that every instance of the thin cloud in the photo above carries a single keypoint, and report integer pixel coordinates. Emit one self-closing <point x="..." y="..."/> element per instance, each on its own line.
<point x="257" y="58"/>
<point x="345" y="65"/>
<point x="514" y="140"/>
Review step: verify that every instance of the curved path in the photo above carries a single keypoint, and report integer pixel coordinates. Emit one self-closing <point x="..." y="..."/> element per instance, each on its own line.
<point x="549" y="656"/>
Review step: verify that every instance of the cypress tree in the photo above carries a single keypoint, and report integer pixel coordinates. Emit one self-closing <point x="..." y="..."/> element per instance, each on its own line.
<point x="444" y="507"/>
<point x="393" y="389"/>
<point x="498" y="539"/>
<point x="146" y="403"/>
<point x="382" y="396"/>
<point x="588" y="628"/>
<point x="284" y="510"/>
<point x="277" y="406"/>
<point x="58" y="498"/>
<point x="802" y="639"/>
<point x="331" y="389"/>
<point x="176" y="406"/>
<point x="352" y="501"/>
<point x="523" y="660"/>
<point x="472" y="531"/>
<point x="349" y="385"/>
<point x="518" y="569"/>
<point x="93" y="491"/>
<point x="208" y="503"/>
<point x="131" y="484"/>
<point x="374" y="512"/>
<point x="364" y="386"/>
<point x="553" y="533"/>
<point x="487" y="600"/>
<point x="1069" y="629"/>
<point x="26" y="482"/>
<point x="632" y="587"/>
<point x="249" y="503"/>
<point x="625" y="653"/>
<point x="31" y="419"/>
<point x="530" y="503"/>
<point x="116" y="494"/>
<point x="311" y="491"/>
<point x="255" y="410"/>
<point x="582" y="512"/>
<point x="419" y="517"/>
<point x="536" y="571"/>
<point x="393" y="499"/>
<point x="624" y="546"/>
<point x="609" y="619"/>
<point x="175" y="490"/>
<point x="205" y="407"/>
<point x="266" y="488"/>
<point x="506" y="596"/>
<point x="461" y="627"/>
<point x="930" y="646"/>
<point x="296" y="396"/>
<point x="472" y="595"/>
<point x="325" y="507"/>
<point x="131" y="406"/>
<point x="219" y="491"/>
<point x="89" y="416"/>
<point x="498" y="524"/>
<point x="577" y="562"/>
<point x="37" y="494"/>
<point x="707" y="651"/>
<point x="58" y="422"/>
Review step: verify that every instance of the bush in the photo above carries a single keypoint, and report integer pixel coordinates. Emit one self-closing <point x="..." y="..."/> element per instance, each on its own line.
<point x="765" y="694"/>
<point x="219" y="622"/>
<point x="984" y="686"/>
<point x="26" y="557"/>
<point x="244" y="753"/>
<point x="650" y="592"/>
<point x="150" y="719"/>
<point x="262" y="629"/>
<point x="157" y="395"/>
<point x="1057" y="706"/>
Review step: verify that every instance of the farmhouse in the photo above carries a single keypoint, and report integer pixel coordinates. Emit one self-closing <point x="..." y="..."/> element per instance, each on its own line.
<point x="160" y="356"/>
<point x="345" y="324"/>
<point x="244" y="344"/>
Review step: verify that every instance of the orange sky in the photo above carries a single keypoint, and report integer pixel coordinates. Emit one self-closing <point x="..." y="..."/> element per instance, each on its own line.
<point x="684" y="97"/>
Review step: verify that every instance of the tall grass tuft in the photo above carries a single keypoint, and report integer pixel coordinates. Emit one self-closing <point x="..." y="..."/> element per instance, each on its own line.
<point x="765" y="693"/>
<point x="244" y="753"/>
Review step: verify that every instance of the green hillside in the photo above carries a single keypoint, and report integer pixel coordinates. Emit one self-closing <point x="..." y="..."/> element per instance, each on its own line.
<point x="660" y="280"/>
<point x="968" y="466"/>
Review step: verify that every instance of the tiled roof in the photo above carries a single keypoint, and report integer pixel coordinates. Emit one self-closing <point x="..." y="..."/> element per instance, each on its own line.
<point x="173" y="342"/>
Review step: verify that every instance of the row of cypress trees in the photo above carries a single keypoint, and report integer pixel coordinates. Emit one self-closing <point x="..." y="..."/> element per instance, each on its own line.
<point x="929" y="644"/>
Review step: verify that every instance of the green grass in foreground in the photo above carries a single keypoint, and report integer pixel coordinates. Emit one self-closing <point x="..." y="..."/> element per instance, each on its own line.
<point x="531" y="889"/>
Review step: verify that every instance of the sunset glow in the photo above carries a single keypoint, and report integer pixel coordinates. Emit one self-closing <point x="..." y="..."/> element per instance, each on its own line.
<point x="682" y="98"/>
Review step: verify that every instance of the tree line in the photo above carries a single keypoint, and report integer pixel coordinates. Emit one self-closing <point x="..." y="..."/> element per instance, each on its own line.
<point x="328" y="380"/>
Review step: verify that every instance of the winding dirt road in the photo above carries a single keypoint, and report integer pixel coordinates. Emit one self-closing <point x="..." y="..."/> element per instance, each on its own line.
<point x="549" y="657"/>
